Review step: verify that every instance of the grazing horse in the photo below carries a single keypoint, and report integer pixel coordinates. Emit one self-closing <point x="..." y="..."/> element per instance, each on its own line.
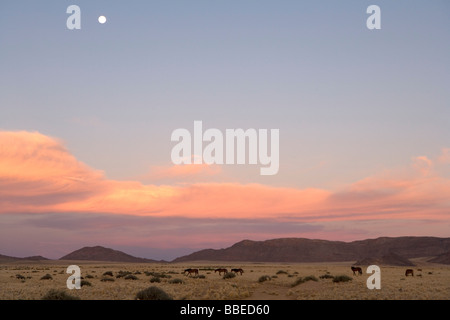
<point x="237" y="270"/>
<point x="220" y="271"/>
<point x="409" y="272"/>
<point x="191" y="271"/>
<point x="356" y="269"/>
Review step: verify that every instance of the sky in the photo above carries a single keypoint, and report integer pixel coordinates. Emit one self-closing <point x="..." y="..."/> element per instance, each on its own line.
<point x="86" y="118"/>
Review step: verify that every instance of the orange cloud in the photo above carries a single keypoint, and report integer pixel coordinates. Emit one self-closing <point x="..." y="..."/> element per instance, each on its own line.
<point x="38" y="174"/>
<point x="185" y="172"/>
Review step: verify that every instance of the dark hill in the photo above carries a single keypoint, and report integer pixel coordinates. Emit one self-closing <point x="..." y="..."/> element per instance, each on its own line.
<point x="15" y="259"/>
<point x="390" y="259"/>
<point x="99" y="253"/>
<point x="307" y="250"/>
<point x="442" y="258"/>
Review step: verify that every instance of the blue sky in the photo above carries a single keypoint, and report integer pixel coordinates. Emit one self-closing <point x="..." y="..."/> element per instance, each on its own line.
<point x="335" y="89"/>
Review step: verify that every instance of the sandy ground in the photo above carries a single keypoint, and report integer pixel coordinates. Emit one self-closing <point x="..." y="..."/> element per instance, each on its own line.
<point x="431" y="283"/>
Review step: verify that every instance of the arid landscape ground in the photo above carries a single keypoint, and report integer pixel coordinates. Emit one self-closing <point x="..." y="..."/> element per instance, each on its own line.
<point x="23" y="281"/>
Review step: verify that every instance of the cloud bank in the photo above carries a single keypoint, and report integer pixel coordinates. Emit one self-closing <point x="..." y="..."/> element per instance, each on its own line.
<point x="38" y="174"/>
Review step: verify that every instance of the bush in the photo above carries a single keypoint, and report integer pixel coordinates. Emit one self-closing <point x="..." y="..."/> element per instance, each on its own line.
<point x="229" y="275"/>
<point x="263" y="278"/>
<point x="155" y="279"/>
<point x="342" y="278"/>
<point x="153" y="293"/>
<point x="281" y="272"/>
<point x="176" y="281"/>
<point x="105" y="279"/>
<point x="303" y="280"/>
<point x="58" y="295"/>
<point x="310" y="278"/>
<point x="19" y="276"/>
<point x="85" y="283"/>
<point x="131" y="277"/>
<point x="89" y="276"/>
<point x="108" y="273"/>
<point x="297" y="282"/>
<point x="200" y="276"/>
<point x="326" y="276"/>
<point x="47" y="277"/>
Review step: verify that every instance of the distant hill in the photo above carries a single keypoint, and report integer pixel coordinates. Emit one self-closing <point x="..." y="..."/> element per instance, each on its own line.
<point x="394" y="251"/>
<point x="390" y="259"/>
<point x="99" y="253"/>
<point x="13" y="259"/>
<point x="442" y="258"/>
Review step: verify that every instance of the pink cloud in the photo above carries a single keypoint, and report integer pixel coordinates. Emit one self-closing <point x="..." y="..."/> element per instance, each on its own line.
<point x="38" y="174"/>
<point x="185" y="173"/>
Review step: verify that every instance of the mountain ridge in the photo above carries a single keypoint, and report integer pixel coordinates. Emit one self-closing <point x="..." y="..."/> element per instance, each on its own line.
<point x="382" y="250"/>
<point x="389" y="250"/>
<point x="99" y="253"/>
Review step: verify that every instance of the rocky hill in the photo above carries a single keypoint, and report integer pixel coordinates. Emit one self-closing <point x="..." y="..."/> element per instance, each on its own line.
<point x="99" y="253"/>
<point x="394" y="251"/>
<point x="442" y="258"/>
<point x="4" y="258"/>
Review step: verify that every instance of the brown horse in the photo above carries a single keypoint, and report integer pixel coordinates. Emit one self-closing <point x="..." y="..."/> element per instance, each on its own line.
<point x="191" y="271"/>
<point x="356" y="269"/>
<point x="237" y="270"/>
<point x="220" y="271"/>
<point x="409" y="272"/>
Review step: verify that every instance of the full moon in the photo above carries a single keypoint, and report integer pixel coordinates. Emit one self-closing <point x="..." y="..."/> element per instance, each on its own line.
<point x="102" y="19"/>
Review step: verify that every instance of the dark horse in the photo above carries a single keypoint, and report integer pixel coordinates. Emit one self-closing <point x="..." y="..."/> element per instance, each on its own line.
<point x="220" y="271"/>
<point x="191" y="271"/>
<point x="409" y="272"/>
<point x="356" y="269"/>
<point x="237" y="270"/>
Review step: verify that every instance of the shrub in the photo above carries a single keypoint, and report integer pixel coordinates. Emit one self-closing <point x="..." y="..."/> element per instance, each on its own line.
<point x="131" y="277"/>
<point x="108" y="273"/>
<point x="122" y="274"/>
<point x="274" y="277"/>
<point x="155" y="279"/>
<point x="89" y="276"/>
<point x="105" y="279"/>
<point x="342" y="278"/>
<point x="85" y="283"/>
<point x="229" y="275"/>
<point x="58" y="295"/>
<point x="200" y="276"/>
<point x="326" y="276"/>
<point x="176" y="281"/>
<point x="47" y="277"/>
<point x="19" y="276"/>
<point x="153" y="293"/>
<point x="310" y="278"/>
<point x="263" y="278"/>
<point x="281" y="272"/>
<point x="303" y="280"/>
<point x="297" y="282"/>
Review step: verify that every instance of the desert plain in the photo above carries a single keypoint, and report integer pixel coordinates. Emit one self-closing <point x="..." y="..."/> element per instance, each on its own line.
<point x="260" y="281"/>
